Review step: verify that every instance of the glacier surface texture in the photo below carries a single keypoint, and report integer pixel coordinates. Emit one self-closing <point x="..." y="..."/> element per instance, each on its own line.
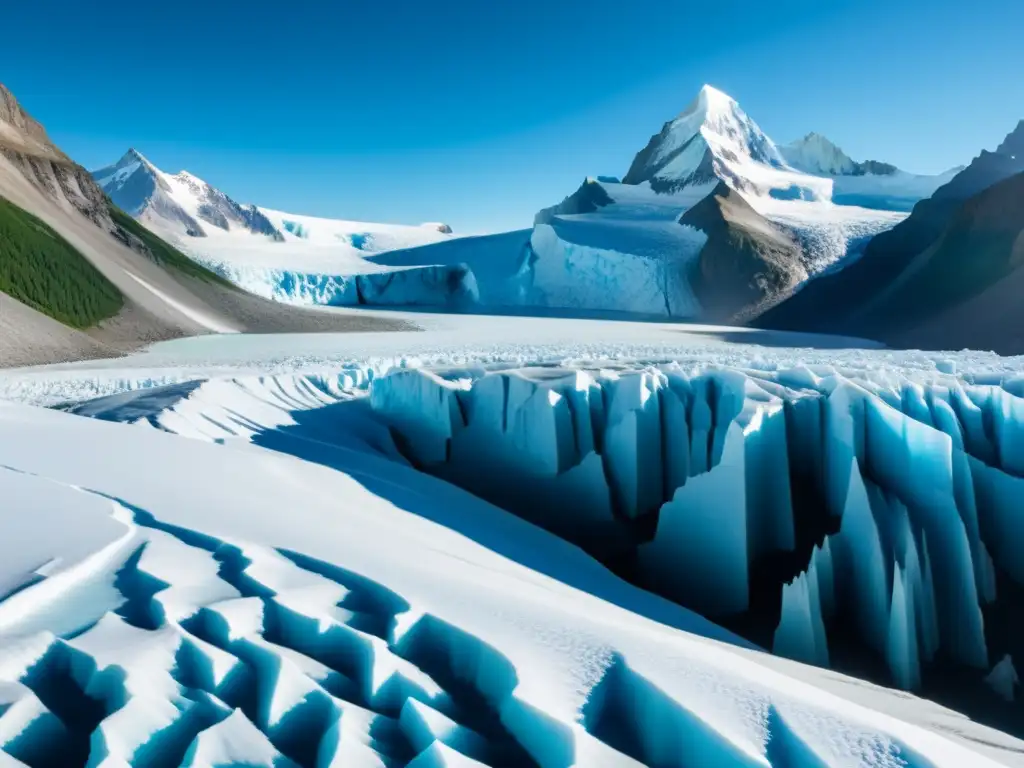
<point x="553" y="564"/>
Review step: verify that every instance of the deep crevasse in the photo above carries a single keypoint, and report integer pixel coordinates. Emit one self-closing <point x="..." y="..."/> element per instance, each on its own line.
<point x="795" y="498"/>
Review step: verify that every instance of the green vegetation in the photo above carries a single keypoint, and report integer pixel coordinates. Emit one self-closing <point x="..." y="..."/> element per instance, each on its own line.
<point x="41" y="269"/>
<point x="164" y="254"/>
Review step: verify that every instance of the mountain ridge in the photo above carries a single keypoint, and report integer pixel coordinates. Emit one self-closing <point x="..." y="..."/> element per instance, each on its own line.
<point x="864" y="298"/>
<point x="166" y="295"/>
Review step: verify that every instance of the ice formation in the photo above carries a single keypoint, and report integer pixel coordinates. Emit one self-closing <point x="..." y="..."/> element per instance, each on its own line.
<point x="287" y="569"/>
<point x="270" y="584"/>
<point x="895" y="498"/>
<point x="1003" y="679"/>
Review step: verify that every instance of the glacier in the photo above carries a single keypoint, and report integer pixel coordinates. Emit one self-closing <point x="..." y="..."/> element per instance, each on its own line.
<point x="900" y="521"/>
<point x="498" y="550"/>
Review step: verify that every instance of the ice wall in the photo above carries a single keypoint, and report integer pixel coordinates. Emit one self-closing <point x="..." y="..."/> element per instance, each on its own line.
<point x="879" y="506"/>
<point x="448" y="285"/>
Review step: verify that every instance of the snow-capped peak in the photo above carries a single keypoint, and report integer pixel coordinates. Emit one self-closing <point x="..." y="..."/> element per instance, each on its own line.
<point x="816" y="154"/>
<point x="133" y="155"/>
<point x="180" y="204"/>
<point x="713" y="127"/>
<point x="713" y="140"/>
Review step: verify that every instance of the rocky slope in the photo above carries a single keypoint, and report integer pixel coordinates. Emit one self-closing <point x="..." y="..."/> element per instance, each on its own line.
<point x="747" y="261"/>
<point x="164" y="297"/>
<point x="955" y="245"/>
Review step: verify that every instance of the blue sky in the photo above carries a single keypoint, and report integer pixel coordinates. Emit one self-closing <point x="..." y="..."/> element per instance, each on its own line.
<point x="480" y="112"/>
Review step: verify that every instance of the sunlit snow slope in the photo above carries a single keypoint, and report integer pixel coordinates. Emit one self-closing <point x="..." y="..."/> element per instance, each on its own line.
<point x="277" y="255"/>
<point x="288" y="570"/>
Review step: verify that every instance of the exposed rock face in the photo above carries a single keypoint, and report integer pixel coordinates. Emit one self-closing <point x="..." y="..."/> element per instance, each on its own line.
<point x="927" y="263"/>
<point x="20" y="131"/>
<point x="24" y="142"/>
<point x="588" y="198"/>
<point x="747" y="264"/>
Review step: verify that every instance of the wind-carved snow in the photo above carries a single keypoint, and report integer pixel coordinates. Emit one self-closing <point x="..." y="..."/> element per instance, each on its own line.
<point x="289" y="590"/>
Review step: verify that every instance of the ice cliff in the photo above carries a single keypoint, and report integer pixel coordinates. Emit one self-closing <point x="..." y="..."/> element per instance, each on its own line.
<point x="803" y="506"/>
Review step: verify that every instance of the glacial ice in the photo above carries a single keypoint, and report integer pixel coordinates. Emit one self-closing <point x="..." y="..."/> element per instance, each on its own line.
<point x="840" y="494"/>
<point x="449" y="286"/>
<point x="874" y="487"/>
<point x="1003" y="679"/>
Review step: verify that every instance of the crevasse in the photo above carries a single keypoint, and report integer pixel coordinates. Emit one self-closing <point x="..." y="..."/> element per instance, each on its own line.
<point x="797" y="508"/>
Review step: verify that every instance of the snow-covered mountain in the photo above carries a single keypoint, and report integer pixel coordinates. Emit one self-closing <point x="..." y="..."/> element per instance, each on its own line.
<point x="816" y="154"/>
<point x="711" y="222"/>
<point x="714" y="140"/>
<point x="181" y="203"/>
<point x="274" y="254"/>
<point x="869" y="183"/>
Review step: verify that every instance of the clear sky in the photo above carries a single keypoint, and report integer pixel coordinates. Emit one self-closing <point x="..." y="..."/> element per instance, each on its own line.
<point x="480" y="112"/>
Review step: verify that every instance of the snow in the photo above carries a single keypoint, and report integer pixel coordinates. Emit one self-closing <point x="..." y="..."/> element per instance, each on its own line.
<point x="861" y="184"/>
<point x="630" y="255"/>
<point x="627" y="254"/>
<point x="898" y="191"/>
<point x="274" y="254"/>
<point x="272" y="580"/>
<point x="816" y="154"/>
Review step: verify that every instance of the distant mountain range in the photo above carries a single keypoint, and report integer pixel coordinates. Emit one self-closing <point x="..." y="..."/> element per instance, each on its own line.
<point x="289" y="257"/>
<point x="712" y="221"/>
<point x="181" y="203"/>
<point x="80" y="279"/>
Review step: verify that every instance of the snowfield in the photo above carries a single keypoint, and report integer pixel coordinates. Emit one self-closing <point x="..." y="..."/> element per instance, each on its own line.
<point x="274" y="558"/>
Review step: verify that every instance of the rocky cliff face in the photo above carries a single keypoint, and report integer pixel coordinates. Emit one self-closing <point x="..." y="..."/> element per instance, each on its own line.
<point x="20" y="131"/>
<point x="850" y="301"/>
<point x="25" y="143"/>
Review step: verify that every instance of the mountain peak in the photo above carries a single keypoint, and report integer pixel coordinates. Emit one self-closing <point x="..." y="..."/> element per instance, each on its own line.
<point x="131" y="159"/>
<point x="691" y="150"/>
<point x="182" y="204"/>
<point x="816" y="154"/>
<point x="713" y="98"/>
